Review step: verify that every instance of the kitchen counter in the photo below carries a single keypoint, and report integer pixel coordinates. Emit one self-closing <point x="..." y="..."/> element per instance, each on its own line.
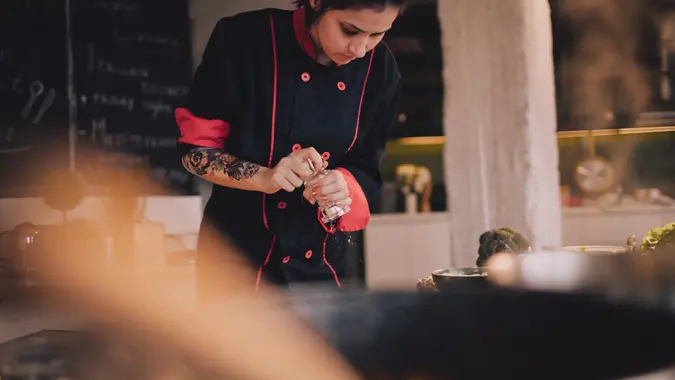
<point x="19" y="317"/>
<point x="401" y="248"/>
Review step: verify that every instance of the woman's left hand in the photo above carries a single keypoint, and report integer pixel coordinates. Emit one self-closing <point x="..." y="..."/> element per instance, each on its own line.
<point x="332" y="188"/>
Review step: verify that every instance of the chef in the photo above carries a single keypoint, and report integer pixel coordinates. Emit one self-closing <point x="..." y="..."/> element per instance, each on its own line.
<point x="275" y="90"/>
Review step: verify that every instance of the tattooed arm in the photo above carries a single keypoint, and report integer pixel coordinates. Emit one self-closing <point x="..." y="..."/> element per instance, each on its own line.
<point x="221" y="168"/>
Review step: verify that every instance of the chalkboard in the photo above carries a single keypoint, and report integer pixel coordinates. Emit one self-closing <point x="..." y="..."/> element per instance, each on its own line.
<point x="33" y="101"/>
<point x="131" y="66"/>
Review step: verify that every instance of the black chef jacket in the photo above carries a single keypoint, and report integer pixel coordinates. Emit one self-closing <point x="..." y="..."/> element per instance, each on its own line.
<point x="259" y="94"/>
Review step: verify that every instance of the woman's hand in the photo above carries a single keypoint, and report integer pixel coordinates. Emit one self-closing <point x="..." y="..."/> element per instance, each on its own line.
<point x="291" y="172"/>
<point x="330" y="189"/>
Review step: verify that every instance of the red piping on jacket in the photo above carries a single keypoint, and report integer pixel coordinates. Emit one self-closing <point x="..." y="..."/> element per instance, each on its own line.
<point x="269" y="163"/>
<point x="331" y="231"/>
<point x="363" y="93"/>
<point x="335" y="276"/>
<point x="301" y="32"/>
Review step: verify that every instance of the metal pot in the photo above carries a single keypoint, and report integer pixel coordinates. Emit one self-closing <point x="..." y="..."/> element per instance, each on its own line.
<point x="448" y="279"/>
<point x="596" y="249"/>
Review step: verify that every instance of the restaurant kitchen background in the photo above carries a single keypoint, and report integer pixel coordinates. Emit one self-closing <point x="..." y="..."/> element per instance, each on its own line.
<point x="91" y="86"/>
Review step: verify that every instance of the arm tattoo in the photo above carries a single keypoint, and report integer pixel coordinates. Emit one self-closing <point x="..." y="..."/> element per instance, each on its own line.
<point x="211" y="161"/>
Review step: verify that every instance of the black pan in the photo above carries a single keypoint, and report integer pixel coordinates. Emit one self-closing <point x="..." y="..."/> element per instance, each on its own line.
<point x="493" y="333"/>
<point x="486" y="333"/>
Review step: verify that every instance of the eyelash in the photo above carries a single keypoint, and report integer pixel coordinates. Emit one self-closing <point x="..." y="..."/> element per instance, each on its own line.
<point x="348" y="32"/>
<point x="351" y="33"/>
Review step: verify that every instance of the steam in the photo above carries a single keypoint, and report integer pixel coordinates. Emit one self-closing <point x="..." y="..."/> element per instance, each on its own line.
<point x="602" y="76"/>
<point x="602" y="79"/>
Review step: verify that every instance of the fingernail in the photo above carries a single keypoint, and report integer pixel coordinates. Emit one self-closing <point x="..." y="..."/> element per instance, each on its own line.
<point x="314" y="193"/>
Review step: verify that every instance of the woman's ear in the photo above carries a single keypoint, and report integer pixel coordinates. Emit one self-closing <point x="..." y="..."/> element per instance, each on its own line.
<point x="314" y="3"/>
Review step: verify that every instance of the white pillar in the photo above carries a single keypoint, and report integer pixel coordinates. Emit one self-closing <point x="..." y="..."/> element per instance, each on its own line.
<point x="501" y="154"/>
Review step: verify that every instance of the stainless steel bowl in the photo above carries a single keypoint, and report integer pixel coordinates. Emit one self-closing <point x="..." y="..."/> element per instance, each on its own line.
<point x="449" y="279"/>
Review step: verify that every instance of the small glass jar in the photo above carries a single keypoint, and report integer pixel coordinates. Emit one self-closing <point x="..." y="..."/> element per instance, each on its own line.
<point x="330" y="211"/>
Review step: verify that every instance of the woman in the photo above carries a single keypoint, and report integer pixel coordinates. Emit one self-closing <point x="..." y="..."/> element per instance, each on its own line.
<point x="275" y="90"/>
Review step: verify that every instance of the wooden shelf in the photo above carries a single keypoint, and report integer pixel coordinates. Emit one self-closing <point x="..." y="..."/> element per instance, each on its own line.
<point x="440" y="140"/>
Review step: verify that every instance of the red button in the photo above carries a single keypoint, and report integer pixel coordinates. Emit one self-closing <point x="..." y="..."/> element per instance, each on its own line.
<point x="325" y="156"/>
<point x="286" y="259"/>
<point x="281" y="205"/>
<point x="341" y="86"/>
<point x="296" y="147"/>
<point x="305" y="77"/>
<point x="308" y="254"/>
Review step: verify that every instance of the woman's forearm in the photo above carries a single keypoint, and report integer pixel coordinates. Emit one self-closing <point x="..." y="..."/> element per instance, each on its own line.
<point x="217" y="166"/>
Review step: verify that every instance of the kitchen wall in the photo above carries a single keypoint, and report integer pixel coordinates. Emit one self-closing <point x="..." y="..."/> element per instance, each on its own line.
<point x="205" y="14"/>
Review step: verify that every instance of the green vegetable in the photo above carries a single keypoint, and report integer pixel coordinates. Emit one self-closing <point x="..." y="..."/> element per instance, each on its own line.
<point x="658" y="239"/>
<point x="500" y="240"/>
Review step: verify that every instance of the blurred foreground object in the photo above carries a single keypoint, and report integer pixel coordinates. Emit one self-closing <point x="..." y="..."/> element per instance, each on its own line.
<point x="241" y="337"/>
<point x="551" y="315"/>
<point x="63" y="190"/>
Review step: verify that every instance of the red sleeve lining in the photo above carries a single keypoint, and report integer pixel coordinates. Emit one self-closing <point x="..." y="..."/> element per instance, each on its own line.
<point x="198" y="131"/>
<point x="359" y="215"/>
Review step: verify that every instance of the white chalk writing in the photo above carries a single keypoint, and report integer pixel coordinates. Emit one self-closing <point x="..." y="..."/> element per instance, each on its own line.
<point x="17" y="83"/>
<point x="123" y="102"/>
<point x="162" y="90"/>
<point x="113" y="68"/>
<point x="137" y="141"/>
<point x="148" y="39"/>
<point x="46" y="103"/>
<point x="98" y="128"/>
<point x="36" y="88"/>
<point x="157" y="107"/>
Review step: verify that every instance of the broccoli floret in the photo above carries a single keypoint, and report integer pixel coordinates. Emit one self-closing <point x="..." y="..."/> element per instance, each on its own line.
<point x="498" y="240"/>
<point x="659" y="239"/>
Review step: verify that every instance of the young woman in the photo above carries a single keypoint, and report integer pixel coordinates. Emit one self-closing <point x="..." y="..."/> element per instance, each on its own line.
<point x="275" y="90"/>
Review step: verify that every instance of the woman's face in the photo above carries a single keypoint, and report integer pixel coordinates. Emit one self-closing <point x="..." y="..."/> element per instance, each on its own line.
<point x="344" y="35"/>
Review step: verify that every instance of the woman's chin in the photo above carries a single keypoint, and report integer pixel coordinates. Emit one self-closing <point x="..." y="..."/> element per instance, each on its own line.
<point x="341" y="59"/>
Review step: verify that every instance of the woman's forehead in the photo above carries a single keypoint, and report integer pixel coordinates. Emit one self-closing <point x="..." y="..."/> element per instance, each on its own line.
<point x="368" y="20"/>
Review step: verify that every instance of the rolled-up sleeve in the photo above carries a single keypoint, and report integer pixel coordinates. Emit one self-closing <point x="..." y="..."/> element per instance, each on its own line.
<point x="206" y="118"/>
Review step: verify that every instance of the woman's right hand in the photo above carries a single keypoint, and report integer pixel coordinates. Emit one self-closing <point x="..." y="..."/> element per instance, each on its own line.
<point x="291" y="171"/>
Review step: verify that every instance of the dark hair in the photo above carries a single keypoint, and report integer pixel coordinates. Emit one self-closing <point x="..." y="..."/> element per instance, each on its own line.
<point x="326" y="5"/>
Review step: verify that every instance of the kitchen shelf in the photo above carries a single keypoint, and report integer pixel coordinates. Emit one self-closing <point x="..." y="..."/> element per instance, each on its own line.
<point x="440" y="140"/>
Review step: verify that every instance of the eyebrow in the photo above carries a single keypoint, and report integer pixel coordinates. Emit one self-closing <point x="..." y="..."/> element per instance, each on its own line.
<point x="361" y="30"/>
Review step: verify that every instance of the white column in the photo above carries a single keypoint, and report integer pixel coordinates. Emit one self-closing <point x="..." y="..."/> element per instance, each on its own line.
<point x="501" y="154"/>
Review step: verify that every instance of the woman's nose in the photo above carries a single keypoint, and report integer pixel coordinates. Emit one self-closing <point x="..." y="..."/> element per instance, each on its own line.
<point x="358" y="48"/>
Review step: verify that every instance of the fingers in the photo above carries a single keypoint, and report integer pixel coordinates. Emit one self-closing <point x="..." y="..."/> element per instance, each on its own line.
<point x="285" y="179"/>
<point x="332" y="188"/>
<point x="307" y="194"/>
<point x="293" y="170"/>
<point x="300" y="159"/>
